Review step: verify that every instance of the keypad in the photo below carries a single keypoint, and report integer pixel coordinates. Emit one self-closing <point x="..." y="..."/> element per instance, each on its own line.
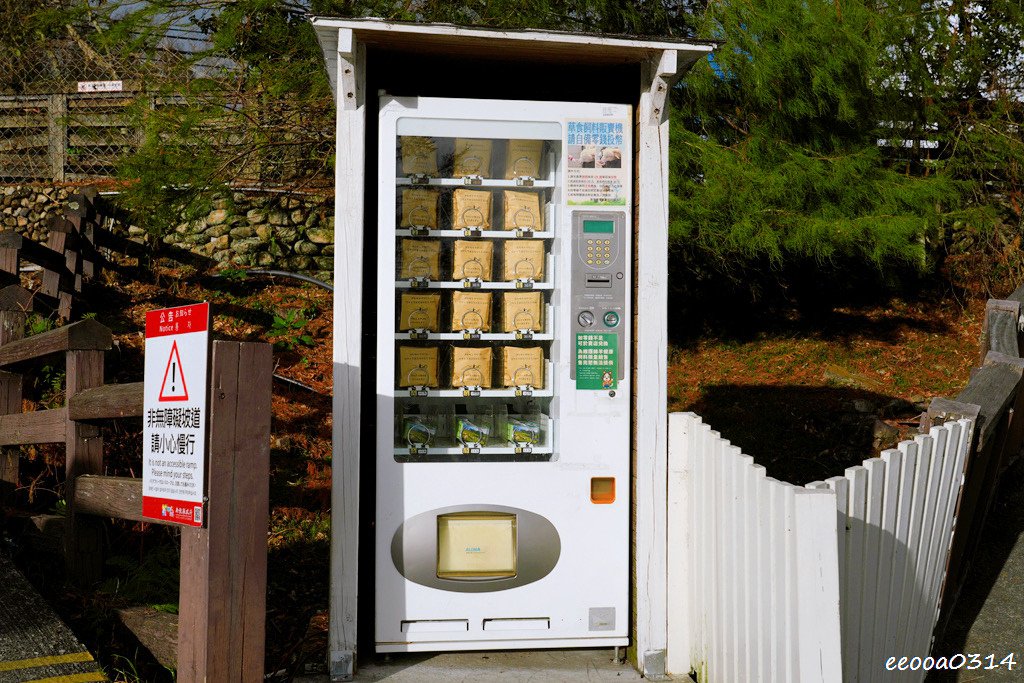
<point x="599" y="252"/>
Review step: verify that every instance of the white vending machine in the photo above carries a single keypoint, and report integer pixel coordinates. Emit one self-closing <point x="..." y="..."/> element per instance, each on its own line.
<point x="502" y="379"/>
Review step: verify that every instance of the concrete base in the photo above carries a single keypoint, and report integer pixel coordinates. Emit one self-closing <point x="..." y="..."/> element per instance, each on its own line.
<point x="494" y="667"/>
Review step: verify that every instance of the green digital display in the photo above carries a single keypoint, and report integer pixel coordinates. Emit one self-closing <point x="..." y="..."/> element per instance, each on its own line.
<point x="599" y="226"/>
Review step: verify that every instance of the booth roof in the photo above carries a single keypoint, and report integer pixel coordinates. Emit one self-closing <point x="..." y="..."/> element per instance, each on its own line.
<point x="449" y="39"/>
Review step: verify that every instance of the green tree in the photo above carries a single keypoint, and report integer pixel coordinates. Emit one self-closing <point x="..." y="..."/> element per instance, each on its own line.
<point x="962" y="86"/>
<point x="775" y="151"/>
<point x="777" y="159"/>
<point x="24" y="30"/>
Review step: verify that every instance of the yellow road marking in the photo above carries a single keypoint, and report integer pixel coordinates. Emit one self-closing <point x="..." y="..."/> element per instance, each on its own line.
<point x="45" y="661"/>
<point x="94" y="677"/>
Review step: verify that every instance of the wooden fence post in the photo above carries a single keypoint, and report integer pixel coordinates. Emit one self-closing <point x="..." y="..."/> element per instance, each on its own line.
<point x="84" y="455"/>
<point x="10" y="402"/>
<point x="12" y="327"/>
<point x="224" y="565"/>
<point x="57" y="121"/>
<point x="9" y="263"/>
<point x="64" y="244"/>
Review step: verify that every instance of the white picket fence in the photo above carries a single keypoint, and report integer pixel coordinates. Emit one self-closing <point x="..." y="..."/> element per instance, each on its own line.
<point x="773" y="582"/>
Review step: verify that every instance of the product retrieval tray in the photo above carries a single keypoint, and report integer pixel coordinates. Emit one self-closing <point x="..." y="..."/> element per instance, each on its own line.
<point x="476" y="545"/>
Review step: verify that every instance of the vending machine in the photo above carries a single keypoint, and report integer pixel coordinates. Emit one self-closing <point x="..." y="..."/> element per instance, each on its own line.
<point x="503" y="374"/>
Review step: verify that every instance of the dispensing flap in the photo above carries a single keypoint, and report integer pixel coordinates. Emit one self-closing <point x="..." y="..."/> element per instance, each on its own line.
<point x="476" y="545"/>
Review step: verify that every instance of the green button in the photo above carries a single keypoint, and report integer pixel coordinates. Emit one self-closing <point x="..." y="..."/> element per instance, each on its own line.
<point x="611" y="319"/>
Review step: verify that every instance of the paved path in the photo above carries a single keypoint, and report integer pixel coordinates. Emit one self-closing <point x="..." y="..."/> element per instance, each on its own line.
<point x="533" y="666"/>
<point x="989" y="617"/>
<point x="35" y="645"/>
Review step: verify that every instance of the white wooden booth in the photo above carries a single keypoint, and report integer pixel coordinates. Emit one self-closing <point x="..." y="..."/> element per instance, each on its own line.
<point x="448" y="84"/>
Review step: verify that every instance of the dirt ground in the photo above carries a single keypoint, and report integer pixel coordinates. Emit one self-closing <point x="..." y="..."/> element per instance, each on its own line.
<point x="808" y="398"/>
<point x="805" y="398"/>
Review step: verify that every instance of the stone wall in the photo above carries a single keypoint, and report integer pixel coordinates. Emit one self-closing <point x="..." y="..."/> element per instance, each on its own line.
<point x="283" y="232"/>
<point x="249" y="229"/>
<point x="27" y="208"/>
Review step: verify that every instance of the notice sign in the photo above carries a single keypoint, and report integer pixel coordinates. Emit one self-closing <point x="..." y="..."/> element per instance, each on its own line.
<point x="596" y="174"/>
<point x="597" y="360"/>
<point x="100" y="86"/>
<point x="174" y="414"/>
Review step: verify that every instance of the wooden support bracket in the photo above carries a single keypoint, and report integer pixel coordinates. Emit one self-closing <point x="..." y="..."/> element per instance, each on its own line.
<point x="10" y="402"/>
<point x="81" y="203"/>
<point x="116" y="497"/>
<point x="106" y="402"/>
<point x="943" y="410"/>
<point x="993" y="388"/>
<point x="997" y="358"/>
<point x="83" y="448"/>
<point x="40" y="426"/>
<point x="14" y="301"/>
<point x="664" y="77"/>
<point x="1014" y="437"/>
<point x="349" y="96"/>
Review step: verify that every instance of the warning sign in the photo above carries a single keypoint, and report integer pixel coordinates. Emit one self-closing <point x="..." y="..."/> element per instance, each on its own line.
<point x="173" y="387"/>
<point x="174" y="414"/>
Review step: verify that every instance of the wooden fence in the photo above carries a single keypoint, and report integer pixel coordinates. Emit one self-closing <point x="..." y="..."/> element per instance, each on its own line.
<point x="995" y="400"/>
<point x="772" y="582"/>
<point x="896" y="518"/>
<point x="79" y="245"/>
<point x="69" y="255"/>
<point x="223" y="566"/>
<point x="83" y="136"/>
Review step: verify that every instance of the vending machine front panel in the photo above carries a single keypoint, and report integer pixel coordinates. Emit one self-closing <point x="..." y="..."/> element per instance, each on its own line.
<point x="503" y="393"/>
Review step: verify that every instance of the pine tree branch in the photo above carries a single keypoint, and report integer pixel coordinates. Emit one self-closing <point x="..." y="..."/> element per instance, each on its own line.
<point x="89" y="52"/>
<point x="734" y="126"/>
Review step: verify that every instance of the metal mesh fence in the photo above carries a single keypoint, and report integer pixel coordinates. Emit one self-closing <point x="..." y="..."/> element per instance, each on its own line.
<point x="64" y="136"/>
<point x="25" y="138"/>
<point x="56" y="66"/>
<point x="49" y="131"/>
<point x="100" y="129"/>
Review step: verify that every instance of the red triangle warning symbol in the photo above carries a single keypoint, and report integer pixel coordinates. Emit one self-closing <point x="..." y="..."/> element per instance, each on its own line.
<point x="173" y="387"/>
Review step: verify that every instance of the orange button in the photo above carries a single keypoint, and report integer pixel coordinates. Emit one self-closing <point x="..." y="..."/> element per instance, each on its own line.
<point x="602" y="490"/>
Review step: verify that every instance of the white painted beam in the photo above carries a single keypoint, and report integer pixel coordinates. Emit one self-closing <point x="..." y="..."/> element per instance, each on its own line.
<point x="651" y="334"/>
<point x="348" y="304"/>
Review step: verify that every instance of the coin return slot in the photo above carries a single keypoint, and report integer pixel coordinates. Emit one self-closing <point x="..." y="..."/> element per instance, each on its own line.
<point x="602" y="490"/>
<point x="519" y="624"/>
<point x="474" y="546"/>
<point x="435" y="626"/>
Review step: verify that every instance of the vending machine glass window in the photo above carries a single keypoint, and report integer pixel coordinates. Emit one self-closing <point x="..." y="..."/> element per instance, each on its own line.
<point x="474" y="223"/>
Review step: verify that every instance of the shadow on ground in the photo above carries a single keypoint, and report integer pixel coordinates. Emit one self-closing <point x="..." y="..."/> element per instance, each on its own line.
<point x="801" y="298"/>
<point x="802" y="434"/>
